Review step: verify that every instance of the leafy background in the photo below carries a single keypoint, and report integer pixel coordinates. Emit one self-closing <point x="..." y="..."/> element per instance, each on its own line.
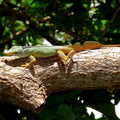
<point x="61" y="22"/>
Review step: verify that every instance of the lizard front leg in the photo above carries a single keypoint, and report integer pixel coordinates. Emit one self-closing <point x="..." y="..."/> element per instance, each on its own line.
<point x="67" y="57"/>
<point x="33" y="60"/>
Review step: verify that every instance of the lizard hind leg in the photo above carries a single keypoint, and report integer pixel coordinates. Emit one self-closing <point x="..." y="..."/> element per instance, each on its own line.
<point x="67" y="58"/>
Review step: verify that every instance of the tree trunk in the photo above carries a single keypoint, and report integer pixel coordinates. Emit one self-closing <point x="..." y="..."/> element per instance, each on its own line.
<point x="28" y="88"/>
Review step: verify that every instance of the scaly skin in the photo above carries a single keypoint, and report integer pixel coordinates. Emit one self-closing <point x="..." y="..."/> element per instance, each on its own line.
<point x="47" y="51"/>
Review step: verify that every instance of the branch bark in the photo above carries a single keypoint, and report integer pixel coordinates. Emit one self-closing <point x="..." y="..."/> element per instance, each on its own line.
<point x="28" y="88"/>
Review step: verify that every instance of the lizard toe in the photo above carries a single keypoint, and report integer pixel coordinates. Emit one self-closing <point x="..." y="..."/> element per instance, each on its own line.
<point x="25" y="65"/>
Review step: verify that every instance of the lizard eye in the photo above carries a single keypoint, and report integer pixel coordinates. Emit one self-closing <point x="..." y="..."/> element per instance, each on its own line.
<point x="15" y="52"/>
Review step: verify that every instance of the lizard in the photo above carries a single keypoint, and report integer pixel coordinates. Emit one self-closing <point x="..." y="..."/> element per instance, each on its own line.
<point x="64" y="52"/>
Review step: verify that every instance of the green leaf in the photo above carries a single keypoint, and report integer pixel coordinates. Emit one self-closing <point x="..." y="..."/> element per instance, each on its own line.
<point x="65" y="112"/>
<point x="107" y="109"/>
<point x="68" y="5"/>
<point x="2" y="118"/>
<point x="48" y="115"/>
<point x="39" y="4"/>
<point x="59" y="98"/>
<point x="114" y="4"/>
<point x="27" y="3"/>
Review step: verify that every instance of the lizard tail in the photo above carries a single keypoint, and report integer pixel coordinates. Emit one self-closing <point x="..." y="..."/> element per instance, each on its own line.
<point x="91" y="45"/>
<point x="117" y="45"/>
<point x="86" y="45"/>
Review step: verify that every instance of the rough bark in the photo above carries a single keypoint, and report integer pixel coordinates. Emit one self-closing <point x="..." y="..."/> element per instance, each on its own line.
<point x="28" y="88"/>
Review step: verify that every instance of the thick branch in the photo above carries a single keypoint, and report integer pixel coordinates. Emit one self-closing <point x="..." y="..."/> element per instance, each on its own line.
<point x="92" y="69"/>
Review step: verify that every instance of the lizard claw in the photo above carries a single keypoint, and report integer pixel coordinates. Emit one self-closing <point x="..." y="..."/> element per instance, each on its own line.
<point x="77" y="54"/>
<point x="68" y="61"/>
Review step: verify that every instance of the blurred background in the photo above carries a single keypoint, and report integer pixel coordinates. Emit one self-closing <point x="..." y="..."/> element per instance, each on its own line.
<point x="62" y="22"/>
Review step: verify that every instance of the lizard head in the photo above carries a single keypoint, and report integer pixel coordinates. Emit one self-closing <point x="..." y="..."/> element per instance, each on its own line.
<point x="15" y="51"/>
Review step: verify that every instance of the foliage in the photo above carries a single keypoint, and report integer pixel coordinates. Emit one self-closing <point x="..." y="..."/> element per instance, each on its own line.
<point x="29" y="22"/>
<point x="68" y="105"/>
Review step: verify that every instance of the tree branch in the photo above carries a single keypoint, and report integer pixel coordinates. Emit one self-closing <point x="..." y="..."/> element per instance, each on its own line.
<point x="90" y="69"/>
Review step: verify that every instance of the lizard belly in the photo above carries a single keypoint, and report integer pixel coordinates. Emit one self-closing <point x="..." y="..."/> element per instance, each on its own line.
<point x="44" y="53"/>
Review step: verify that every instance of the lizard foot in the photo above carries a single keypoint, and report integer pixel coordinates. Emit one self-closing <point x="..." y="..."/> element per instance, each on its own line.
<point x="77" y="54"/>
<point x="26" y="65"/>
<point x="68" y="61"/>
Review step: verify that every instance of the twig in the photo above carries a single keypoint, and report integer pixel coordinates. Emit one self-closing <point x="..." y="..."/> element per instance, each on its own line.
<point x="111" y="21"/>
<point x="16" y="34"/>
<point x="74" y="35"/>
<point x="54" y="6"/>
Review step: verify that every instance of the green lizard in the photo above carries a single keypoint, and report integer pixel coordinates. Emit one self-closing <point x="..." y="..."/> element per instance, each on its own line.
<point x="47" y="51"/>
